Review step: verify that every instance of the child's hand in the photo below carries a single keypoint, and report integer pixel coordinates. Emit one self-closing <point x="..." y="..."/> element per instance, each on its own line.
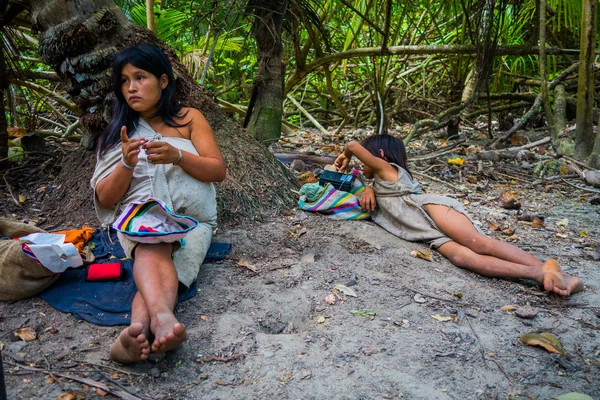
<point x="367" y="200"/>
<point x="130" y="148"/>
<point x="161" y="153"/>
<point x="341" y="162"/>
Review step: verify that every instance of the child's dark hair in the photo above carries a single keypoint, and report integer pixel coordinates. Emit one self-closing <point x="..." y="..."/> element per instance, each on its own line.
<point x="152" y="59"/>
<point x="392" y="147"/>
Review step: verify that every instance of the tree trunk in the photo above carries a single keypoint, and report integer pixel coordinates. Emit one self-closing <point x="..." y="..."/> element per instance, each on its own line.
<point x="544" y="83"/>
<point x="78" y="38"/>
<point x="584" y="140"/>
<point x="3" y="122"/>
<point x="267" y="108"/>
<point x="150" y="15"/>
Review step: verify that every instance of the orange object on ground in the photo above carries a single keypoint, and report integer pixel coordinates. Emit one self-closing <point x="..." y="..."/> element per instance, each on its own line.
<point x="79" y="237"/>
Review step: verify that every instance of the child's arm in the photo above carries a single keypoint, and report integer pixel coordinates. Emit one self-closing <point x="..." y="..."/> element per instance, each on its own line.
<point x="380" y="167"/>
<point x="112" y="188"/>
<point x="208" y="166"/>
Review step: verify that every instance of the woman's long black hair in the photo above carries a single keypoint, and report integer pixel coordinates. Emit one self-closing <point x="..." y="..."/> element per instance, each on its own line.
<point x="152" y="59"/>
<point x="392" y="147"/>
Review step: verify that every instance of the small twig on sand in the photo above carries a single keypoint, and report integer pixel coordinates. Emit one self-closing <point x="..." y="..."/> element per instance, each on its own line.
<point x="11" y="193"/>
<point x="445" y="150"/>
<point x="120" y="394"/>
<point x="107" y="377"/>
<point x="221" y="358"/>
<point x="503" y="371"/>
<point x="511" y="177"/>
<point x="580" y="187"/>
<point x="109" y="367"/>
<point x="577" y="162"/>
<point x="481" y="348"/>
<point x="459" y="188"/>
<point x="438" y="298"/>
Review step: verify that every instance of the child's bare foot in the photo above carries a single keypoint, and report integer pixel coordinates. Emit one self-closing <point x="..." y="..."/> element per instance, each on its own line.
<point x="131" y="346"/>
<point x="168" y="333"/>
<point x="555" y="281"/>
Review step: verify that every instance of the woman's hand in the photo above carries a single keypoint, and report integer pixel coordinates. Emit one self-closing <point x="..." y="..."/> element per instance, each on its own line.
<point x="341" y="162"/>
<point x="367" y="200"/>
<point x="130" y="148"/>
<point x="161" y="153"/>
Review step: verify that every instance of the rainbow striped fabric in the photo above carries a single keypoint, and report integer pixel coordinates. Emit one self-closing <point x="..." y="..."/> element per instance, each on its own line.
<point x="334" y="203"/>
<point x="152" y="222"/>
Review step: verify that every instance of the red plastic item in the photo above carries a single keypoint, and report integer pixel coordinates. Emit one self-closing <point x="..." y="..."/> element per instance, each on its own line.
<point x="103" y="272"/>
<point x="144" y="228"/>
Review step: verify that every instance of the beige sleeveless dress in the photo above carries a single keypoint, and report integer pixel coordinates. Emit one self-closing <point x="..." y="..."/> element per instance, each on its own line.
<point x="400" y="210"/>
<point x="182" y="193"/>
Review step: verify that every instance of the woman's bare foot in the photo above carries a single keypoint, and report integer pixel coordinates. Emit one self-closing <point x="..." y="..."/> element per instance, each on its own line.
<point x="555" y="281"/>
<point x="168" y="333"/>
<point x="131" y="346"/>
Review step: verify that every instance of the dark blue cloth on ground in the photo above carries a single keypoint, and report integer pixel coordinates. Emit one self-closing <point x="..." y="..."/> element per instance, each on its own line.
<point x="109" y="302"/>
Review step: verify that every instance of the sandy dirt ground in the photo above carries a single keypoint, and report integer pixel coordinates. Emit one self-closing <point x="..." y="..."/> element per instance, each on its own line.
<point x="407" y="329"/>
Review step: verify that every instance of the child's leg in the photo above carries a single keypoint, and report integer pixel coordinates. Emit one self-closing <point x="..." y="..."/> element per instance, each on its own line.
<point x="460" y="229"/>
<point x="132" y="344"/>
<point x="491" y="266"/>
<point x="495" y="258"/>
<point x="156" y="279"/>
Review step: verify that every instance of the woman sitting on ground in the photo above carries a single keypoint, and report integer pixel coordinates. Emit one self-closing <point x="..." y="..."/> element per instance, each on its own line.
<point x="154" y="147"/>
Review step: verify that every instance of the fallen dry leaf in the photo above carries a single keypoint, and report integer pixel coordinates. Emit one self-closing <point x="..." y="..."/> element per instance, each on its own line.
<point x="517" y="139"/>
<point x="493" y="226"/>
<point x="508" y="231"/>
<point x="509" y="201"/>
<point x="419" y="298"/>
<point x="66" y="396"/>
<point x="546" y="340"/>
<point x="307" y="177"/>
<point x="246" y="264"/>
<point x="512" y="238"/>
<point x="25" y="334"/>
<point x="444" y="318"/>
<point x="367" y="351"/>
<point x="221" y="382"/>
<point x="537" y="223"/>
<point x="561" y="235"/>
<point x="508" y="307"/>
<point x="286" y="377"/>
<point x="456" y="161"/>
<point x="203" y="317"/>
<point x="16" y="132"/>
<point x="321" y="319"/>
<point x="330" y="299"/>
<point x="346" y="290"/>
<point x="424" y="254"/>
<point x="100" y="392"/>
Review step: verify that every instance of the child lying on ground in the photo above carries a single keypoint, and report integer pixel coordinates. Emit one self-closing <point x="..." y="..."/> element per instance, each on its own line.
<point x="401" y="207"/>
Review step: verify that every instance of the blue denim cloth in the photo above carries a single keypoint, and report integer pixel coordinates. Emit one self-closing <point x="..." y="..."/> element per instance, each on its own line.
<point x="109" y="302"/>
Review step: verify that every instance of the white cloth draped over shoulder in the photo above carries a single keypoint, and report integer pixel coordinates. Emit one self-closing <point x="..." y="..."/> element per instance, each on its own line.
<point x="182" y="193"/>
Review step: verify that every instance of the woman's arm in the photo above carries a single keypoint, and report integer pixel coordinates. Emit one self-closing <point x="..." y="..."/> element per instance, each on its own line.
<point x="208" y="166"/>
<point x="113" y="187"/>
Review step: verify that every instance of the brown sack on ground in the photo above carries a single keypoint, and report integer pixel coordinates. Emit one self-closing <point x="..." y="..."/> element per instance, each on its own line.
<point x="20" y="276"/>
